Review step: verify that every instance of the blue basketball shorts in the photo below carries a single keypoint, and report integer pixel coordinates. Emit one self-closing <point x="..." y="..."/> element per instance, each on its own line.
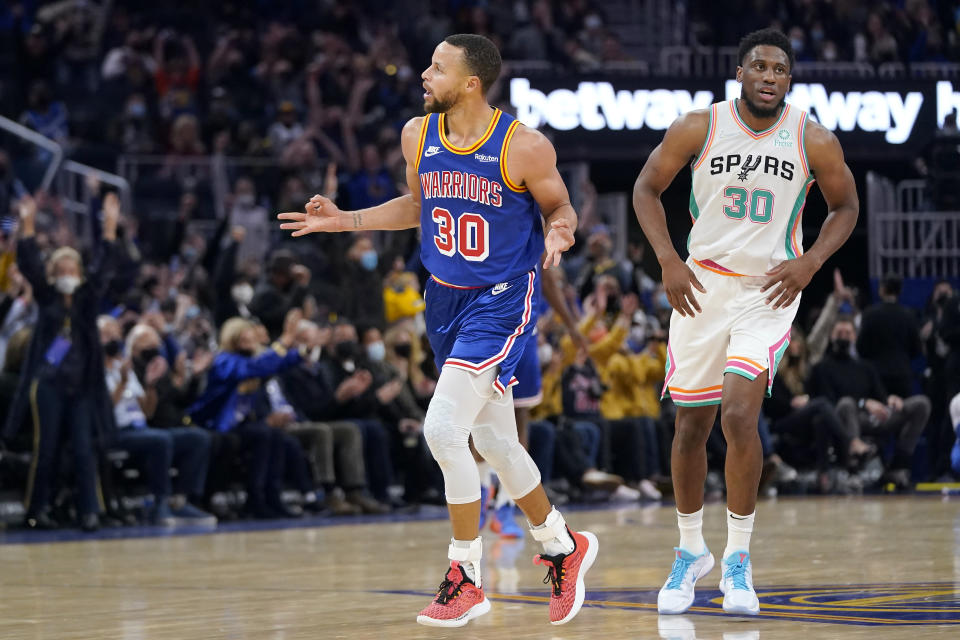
<point x="478" y="328"/>
<point x="529" y="391"/>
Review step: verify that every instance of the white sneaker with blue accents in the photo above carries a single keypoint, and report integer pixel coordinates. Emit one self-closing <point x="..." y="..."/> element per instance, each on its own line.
<point x="737" y="585"/>
<point x="676" y="595"/>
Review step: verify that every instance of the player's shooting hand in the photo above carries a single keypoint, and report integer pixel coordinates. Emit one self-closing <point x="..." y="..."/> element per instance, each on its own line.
<point x="320" y="215"/>
<point x="792" y="276"/>
<point x="559" y="239"/>
<point x="678" y="283"/>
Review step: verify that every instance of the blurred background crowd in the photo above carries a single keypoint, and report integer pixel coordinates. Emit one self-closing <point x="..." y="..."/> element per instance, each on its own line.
<point x="170" y="356"/>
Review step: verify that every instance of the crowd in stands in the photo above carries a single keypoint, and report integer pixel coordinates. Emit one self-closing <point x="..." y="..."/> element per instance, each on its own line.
<point x="275" y="376"/>
<point x="257" y="382"/>
<point x="874" y="32"/>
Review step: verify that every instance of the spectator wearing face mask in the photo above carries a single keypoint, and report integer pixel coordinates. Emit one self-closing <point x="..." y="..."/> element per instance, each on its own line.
<point x="361" y="278"/>
<point x="62" y="385"/>
<point x="233" y="291"/>
<point x="358" y="397"/>
<point x="863" y="404"/>
<point x="333" y="447"/>
<point x="398" y="406"/>
<point x="229" y="406"/>
<point x="133" y="385"/>
<point x="249" y="215"/>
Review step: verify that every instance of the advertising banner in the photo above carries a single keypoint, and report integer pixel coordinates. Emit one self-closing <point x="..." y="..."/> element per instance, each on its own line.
<point x="613" y="116"/>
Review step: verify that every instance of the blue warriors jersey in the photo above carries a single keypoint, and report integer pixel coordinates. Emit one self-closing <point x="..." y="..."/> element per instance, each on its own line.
<point x="479" y="227"/>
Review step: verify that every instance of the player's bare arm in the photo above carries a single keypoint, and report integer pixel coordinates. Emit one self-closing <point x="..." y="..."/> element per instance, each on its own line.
<point x="532" y="162"/>
<point x="321" y="215"/>
<point x="683" y="140"/>
<point x="552" y="288"/>
<point x="839" y="190"/>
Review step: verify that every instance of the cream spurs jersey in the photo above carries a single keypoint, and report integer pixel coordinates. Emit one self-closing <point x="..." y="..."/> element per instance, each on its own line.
<point x="748" y="193"/>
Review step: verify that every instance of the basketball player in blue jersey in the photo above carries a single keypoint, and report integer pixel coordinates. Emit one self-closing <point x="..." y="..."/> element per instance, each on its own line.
<point x="753" y="160"/>
<point x="528" y="392"/>
<point x="479" y="181"/>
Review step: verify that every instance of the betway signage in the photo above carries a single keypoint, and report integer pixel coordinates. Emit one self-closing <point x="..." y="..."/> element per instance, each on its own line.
<point x="895" y="115"/>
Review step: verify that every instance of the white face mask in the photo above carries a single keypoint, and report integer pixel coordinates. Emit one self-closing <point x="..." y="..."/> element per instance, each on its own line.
<point x="242" y="294"/>
<point x="67" y="284"/>
<point x="376" y="351"/>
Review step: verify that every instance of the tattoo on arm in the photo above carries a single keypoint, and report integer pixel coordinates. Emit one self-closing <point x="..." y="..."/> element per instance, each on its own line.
<point x="357" y="220"/>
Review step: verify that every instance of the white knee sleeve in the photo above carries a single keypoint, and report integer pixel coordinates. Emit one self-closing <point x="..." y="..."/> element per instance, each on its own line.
<point x="448" y="442"/>
<point x="495" y="437"/>
<point x="458" y="399"/>
<point x="955" y="412"/>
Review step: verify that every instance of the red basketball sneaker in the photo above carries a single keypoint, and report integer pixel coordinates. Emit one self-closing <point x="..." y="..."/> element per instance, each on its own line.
<point x="565" y="573"/>
<point x="458" y="601"/>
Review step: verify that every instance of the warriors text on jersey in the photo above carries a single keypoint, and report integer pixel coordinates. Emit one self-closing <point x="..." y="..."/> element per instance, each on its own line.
<point x="479" y="227"/>
<point x="749" y="188"/>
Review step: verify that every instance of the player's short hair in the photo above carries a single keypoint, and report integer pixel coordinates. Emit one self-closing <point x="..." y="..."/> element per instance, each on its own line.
<point x="771" y="37"/>
<point x="480" y="56"/>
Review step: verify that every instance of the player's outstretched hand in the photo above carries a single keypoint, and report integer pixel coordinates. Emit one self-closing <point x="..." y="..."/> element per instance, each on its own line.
<point x="791" y="277"/>
<point x="319" y="215"/>
<point x="559" y="239"/>
<point x="678" y="283"/>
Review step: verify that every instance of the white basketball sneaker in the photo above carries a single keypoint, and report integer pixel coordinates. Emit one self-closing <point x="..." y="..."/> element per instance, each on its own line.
<point x="737" y="585"/>
<point x="676" y="595"/>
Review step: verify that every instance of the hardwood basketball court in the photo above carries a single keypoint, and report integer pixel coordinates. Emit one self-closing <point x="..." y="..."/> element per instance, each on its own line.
<point x="875" y="567"/>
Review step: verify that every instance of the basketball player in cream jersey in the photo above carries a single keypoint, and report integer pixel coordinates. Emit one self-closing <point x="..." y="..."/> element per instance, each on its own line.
<point x="753" y="160"/>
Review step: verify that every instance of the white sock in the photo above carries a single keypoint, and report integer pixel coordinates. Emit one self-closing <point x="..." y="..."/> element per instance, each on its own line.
<point x="553" y="534"/>
<point x="739" y="529"/>
<point x="691" y="532"/>
<point x="468" y="554"/>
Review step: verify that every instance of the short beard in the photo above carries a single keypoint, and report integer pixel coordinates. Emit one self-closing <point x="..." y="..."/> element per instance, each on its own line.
<point x="762" y="112"/>
<point x="438" y="105"/>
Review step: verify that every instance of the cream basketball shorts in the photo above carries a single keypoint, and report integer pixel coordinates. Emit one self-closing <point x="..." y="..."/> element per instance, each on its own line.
<point x="737" y="332"/>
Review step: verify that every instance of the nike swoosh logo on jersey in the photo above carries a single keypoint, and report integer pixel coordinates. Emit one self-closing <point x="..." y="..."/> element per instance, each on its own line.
<point x="432" y="151"/>
<point x="499" y="288"/>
